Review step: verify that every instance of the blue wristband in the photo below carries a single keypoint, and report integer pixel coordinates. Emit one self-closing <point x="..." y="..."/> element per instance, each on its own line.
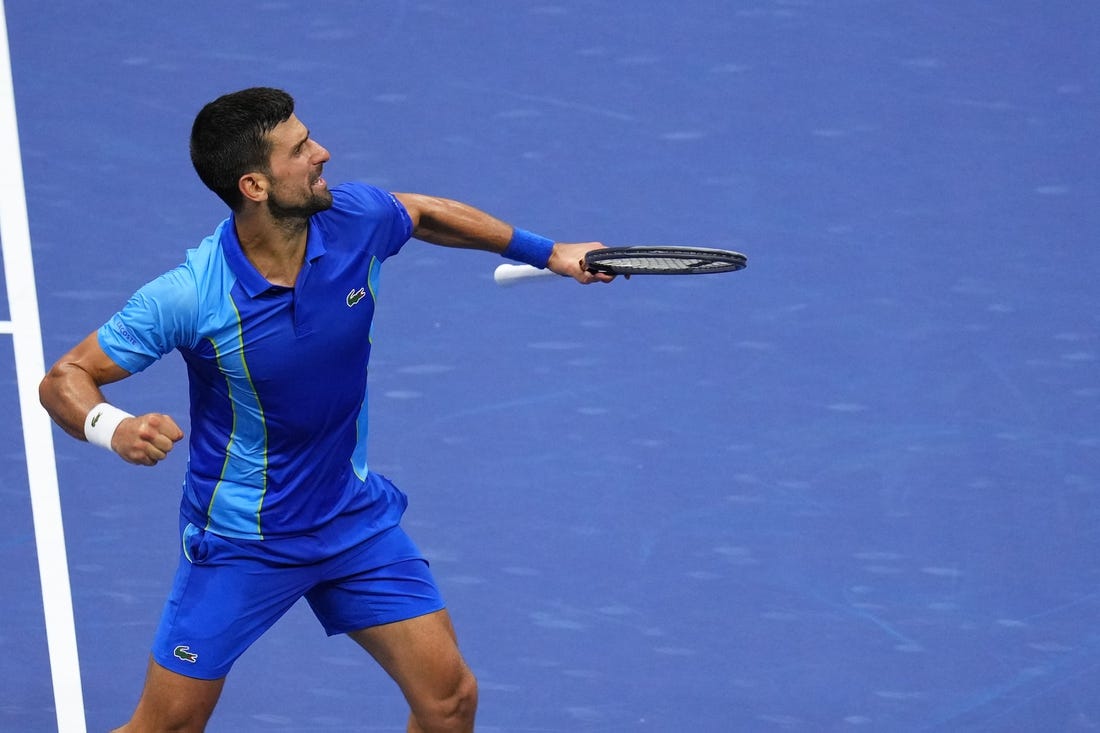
<point x="529" y="248"/>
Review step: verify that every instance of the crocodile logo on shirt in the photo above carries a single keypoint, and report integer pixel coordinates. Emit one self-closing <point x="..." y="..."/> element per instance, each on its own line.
<point x="355" y="296"/>
<point x="184" y="653"/>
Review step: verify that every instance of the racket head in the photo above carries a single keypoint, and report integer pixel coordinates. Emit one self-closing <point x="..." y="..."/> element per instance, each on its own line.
<point x="657" y="260"/>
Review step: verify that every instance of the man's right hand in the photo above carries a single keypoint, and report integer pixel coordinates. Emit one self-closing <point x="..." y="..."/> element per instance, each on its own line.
<point x="146" y="439"/>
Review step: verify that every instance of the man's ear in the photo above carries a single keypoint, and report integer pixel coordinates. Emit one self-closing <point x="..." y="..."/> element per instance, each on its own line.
<point x="254" y="186"/>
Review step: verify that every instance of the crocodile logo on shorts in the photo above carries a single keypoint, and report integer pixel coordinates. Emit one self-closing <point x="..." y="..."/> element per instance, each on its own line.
<point x="184" y="654"/>
<point x="356" y="295"/>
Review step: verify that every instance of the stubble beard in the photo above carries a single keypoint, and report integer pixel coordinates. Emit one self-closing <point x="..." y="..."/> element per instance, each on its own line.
<point x="296" y="216"/>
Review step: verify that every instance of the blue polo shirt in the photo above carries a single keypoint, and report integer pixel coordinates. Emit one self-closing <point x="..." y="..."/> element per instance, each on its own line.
<point x="278" y="376"/>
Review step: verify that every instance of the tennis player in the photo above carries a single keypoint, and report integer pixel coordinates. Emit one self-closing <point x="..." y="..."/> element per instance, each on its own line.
<point x="272" y="314"/>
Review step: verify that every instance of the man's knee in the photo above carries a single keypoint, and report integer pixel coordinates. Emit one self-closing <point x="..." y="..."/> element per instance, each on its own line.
<point x="169" y="724"/>
<point x="173" y="718"/>
<point x="453" y="712"/>
<point x="465" y="698"/>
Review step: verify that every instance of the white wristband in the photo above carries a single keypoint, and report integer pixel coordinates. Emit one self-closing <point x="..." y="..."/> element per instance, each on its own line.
<point x="101" y="423"/>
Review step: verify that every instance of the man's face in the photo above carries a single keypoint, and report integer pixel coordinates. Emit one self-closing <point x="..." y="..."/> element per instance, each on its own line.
<point x="297" y="188"/>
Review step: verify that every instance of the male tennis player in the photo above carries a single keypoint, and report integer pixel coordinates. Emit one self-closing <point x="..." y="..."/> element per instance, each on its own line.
<point x="272" y="314"/>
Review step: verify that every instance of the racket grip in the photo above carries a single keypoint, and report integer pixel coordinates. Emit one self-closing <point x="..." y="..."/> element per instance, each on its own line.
<point x="508" y="275"/>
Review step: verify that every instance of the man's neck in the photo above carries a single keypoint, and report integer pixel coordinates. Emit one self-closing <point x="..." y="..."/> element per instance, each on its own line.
<point x="276" y="248"/>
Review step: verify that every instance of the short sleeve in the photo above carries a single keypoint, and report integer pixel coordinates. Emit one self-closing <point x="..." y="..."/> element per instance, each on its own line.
<point x="158" y="318"/>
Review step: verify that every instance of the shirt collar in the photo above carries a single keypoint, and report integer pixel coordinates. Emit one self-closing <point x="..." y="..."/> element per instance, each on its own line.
<point x="251" y="280"/>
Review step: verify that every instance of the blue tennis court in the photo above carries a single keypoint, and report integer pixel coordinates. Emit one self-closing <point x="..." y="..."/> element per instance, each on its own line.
<point x="855" y="487"/>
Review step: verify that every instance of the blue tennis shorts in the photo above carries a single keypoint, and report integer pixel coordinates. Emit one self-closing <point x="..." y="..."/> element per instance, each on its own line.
<point x="227" y="593"/>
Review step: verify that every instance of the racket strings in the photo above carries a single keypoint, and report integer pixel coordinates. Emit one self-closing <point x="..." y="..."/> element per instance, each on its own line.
<point x="665" y="262"/>
<point x="669" y="263"/>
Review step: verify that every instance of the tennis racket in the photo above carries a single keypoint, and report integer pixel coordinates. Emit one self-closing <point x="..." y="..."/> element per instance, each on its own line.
<point x="638" y="261"/>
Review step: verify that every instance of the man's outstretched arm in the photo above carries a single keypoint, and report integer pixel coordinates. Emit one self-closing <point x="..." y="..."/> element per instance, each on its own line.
<point x="455" y="224"/>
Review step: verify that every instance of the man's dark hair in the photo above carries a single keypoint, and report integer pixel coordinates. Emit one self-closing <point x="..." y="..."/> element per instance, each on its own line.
<point x="229" y="138"/>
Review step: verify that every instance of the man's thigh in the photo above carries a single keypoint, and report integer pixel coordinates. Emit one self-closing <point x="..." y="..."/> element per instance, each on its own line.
<point x="421" y="654"/>
<point x="171" y="701"/>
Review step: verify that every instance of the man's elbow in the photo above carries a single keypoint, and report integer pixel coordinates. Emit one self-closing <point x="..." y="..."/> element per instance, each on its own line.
<point x="48" y="387"/>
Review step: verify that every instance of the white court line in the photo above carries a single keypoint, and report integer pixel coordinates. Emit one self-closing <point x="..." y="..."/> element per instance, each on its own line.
<point x="53" y="568"/>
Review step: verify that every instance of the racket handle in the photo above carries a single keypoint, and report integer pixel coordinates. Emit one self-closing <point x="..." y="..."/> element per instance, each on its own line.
<point x="508" y="275"/>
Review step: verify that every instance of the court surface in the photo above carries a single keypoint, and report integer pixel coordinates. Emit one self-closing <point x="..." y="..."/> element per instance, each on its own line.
<point x="854" y="487"/>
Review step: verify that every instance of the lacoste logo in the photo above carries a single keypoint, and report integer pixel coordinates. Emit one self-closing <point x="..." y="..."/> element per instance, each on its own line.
<point x="356" y="295"/>
<point x="184" y="653"/>
<point x="96" y="418"/>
